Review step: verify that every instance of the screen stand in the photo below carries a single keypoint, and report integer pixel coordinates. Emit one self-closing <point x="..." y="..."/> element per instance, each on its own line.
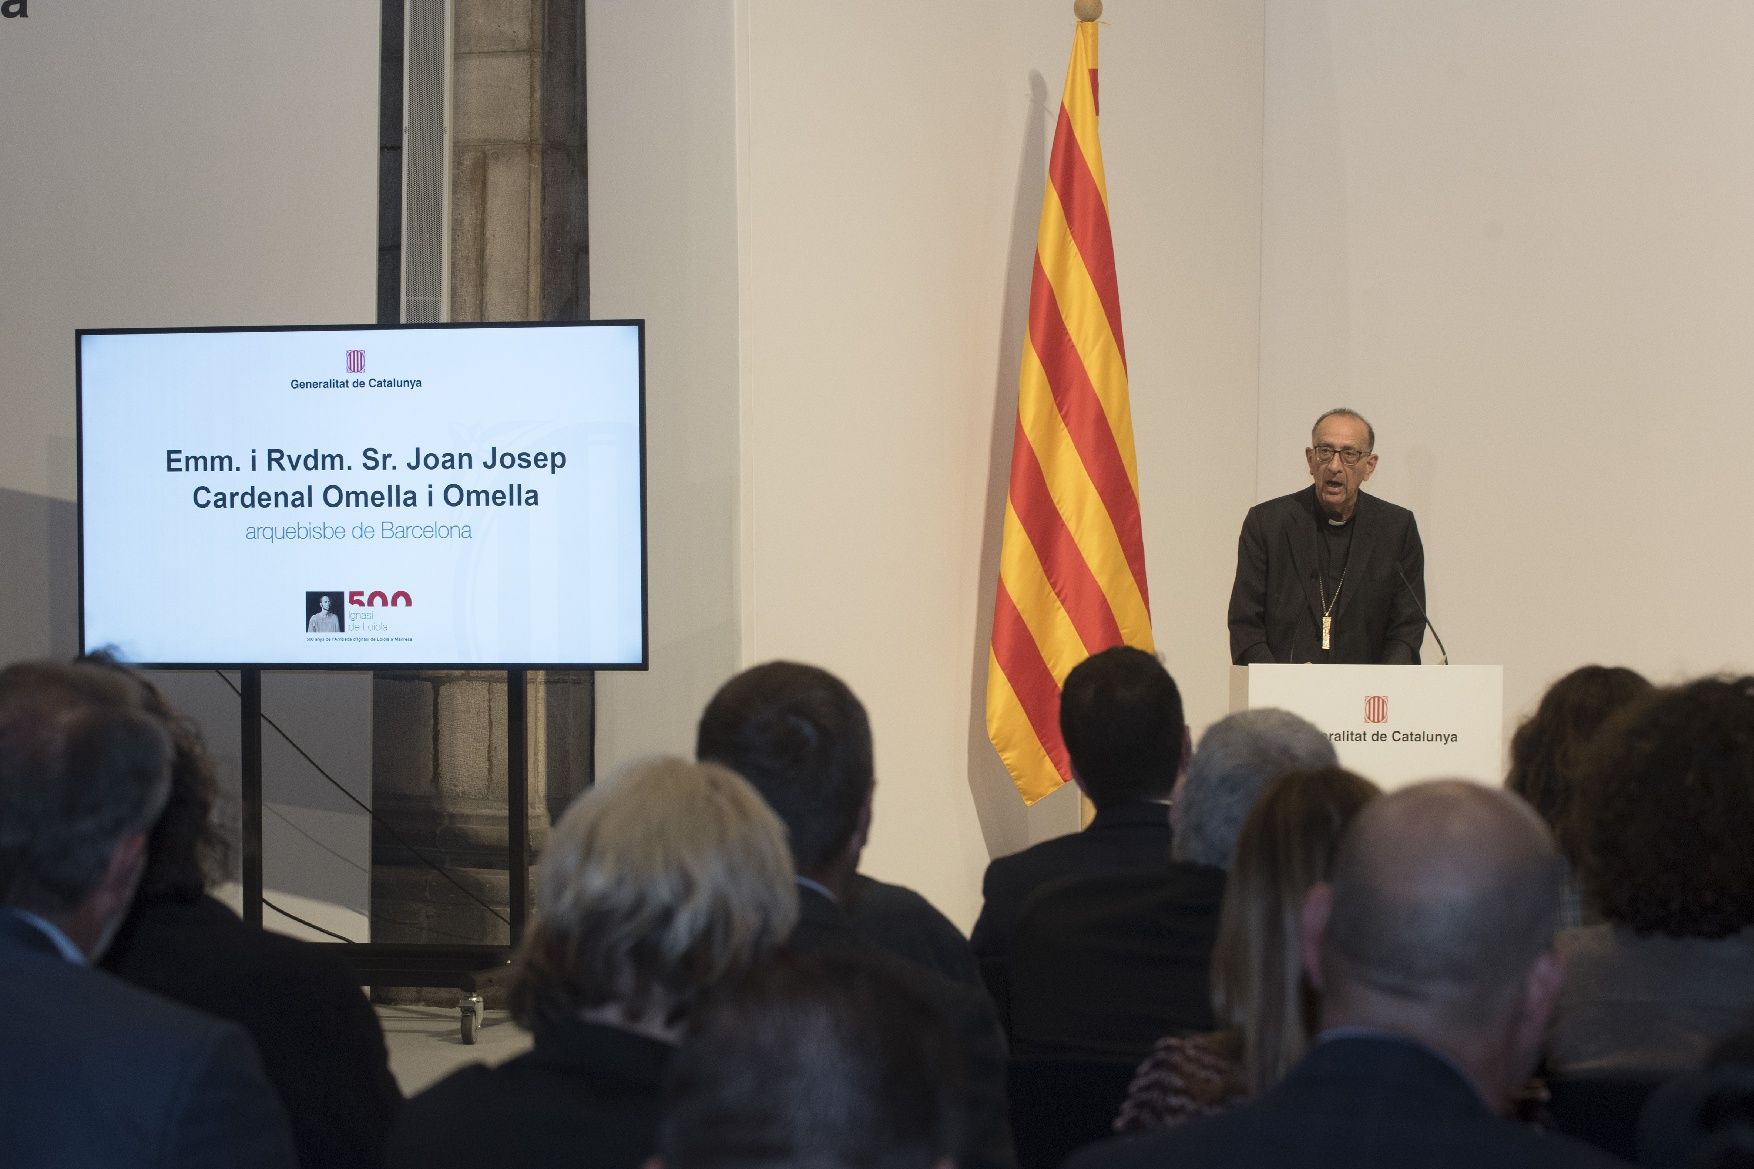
<point x="517" y="756"/>
<point x="517" y="797"/>
<point x="471" y="968"/>
<point x="250" y="836"/>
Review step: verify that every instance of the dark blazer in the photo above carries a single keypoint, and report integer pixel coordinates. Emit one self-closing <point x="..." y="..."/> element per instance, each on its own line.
<point x="319" y="1038"/>
<point x="824" y="926"/>
<point x="901" y="921"/>
<point x="1130" y="835"/>
<point x="1275" y="602"/>
<point x="1354" y="1101"/>
<point x="95" y="1073"/>
<point x="1103" y="967"/>
<point x="586" y="1095"/>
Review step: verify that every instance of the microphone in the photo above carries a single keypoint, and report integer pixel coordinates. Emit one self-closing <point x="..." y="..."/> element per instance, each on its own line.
<point x="1422" y="616"/>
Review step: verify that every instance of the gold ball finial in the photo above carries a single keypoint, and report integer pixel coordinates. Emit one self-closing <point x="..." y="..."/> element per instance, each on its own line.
<point x="1087" y="10"/>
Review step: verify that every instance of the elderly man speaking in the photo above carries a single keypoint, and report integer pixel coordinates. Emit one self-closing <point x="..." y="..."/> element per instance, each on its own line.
<point x="1329" y="574"/>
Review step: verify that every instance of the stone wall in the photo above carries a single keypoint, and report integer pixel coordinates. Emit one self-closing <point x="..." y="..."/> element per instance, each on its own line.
<point x="517" y="252"/>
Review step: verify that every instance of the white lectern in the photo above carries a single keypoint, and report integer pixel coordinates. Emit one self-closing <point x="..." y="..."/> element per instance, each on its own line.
<point x="1394" y="725"/>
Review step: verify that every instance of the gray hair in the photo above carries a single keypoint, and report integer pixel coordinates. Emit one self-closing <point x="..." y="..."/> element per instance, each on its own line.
<point x="653" y="888"/>
<point x="82" y="766"/>
<point x="1236" y="759"/>
<point x="1346" y="412"/>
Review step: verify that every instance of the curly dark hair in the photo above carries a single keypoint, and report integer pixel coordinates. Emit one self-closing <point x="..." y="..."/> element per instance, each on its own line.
<point x="1664" y="820"/>
<point x="1549" y="746"/>
<point x="186" y="851"/>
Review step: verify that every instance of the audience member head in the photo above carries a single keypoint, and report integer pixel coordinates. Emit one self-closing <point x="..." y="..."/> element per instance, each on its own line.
<point x="1237" y="757"/>
<point x="654" y="888"/>
<point x="818" y="1062"/>
<point x="1664" y="822"/>
<point x="802" y="739"/>
<point x="185" y="852"/>
<point x="1121" y="719"/>
<point x="1549" y="747"/>
<point x="1438" y="925"/>
<point x="84" y="771"/>
<point x="1287" y="846"/>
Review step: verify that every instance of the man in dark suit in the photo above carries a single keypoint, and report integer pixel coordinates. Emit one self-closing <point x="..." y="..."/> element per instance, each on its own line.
<point x="1432" y="950"/>
<point x="96" y="1072"/>
<point x="897" y="919"/>
<point x="1329" y="574"/>
<point x="802" y="739"/>
<point x="1104" y="965"/>
<point x="319" y="1039"/>
<point x="1121" y="719"/>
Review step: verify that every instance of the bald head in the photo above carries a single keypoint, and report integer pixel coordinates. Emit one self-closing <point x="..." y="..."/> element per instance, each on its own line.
<point x="1443" y="896"/>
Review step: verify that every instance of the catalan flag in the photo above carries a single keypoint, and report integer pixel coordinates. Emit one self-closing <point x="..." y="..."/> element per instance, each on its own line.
<point x="1072" y="567"/>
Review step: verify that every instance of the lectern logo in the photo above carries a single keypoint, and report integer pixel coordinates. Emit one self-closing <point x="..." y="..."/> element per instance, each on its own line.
<point x="1376" y="708"/>
<point x="356" y="361"/>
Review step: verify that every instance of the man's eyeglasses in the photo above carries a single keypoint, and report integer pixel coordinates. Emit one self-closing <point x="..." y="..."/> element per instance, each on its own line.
<point x="1347" y="455"/>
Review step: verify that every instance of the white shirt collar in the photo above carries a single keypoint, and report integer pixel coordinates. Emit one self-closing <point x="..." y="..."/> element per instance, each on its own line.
<point x="50" y="930"/>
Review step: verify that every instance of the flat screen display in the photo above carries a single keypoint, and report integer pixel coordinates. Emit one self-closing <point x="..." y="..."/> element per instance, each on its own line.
<point x="449" y="496"/>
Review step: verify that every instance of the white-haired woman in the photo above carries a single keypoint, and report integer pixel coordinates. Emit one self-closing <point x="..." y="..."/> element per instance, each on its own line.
<point x="654" y="887"/>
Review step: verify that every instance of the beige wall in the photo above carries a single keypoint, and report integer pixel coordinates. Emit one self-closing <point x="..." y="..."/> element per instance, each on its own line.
<point x="662" y="132"/>
<point x="200" y="162"/>
<point x="888" y="177"/>
<point x="1518" y="237"/>
<point x="187" y="163"/>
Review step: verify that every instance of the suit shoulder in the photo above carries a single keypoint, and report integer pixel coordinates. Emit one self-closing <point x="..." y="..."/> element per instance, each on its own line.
<point x="1281" y="508"/>
<point x="1574" y="1153"/>
<point x="1393" y="512"/>
<point x="883" y="897"/>
<point x="445" y="1096"/>
<point x="1146" y="1150"/>
<point x="308" y="964"/>
<point x="1013" y="878"/>
<point x="155" y="1019"/>
<point x="246" y="968"/>
<point x="1003" y="871"/>
<point x="1052" y="851"/>
<point x="83" y="1004"/>
<point x="882" y="905"/>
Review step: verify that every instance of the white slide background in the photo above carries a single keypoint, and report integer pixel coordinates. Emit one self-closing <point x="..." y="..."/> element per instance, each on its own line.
<point x="227" y="476"/>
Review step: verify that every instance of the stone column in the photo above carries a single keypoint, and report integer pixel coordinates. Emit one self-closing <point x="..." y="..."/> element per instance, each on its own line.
<point x="516" y="253"/>
<point x="439" y="787"/>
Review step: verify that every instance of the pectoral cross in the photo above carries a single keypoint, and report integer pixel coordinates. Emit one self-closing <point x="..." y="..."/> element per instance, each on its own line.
<point x="1327" y="631"/>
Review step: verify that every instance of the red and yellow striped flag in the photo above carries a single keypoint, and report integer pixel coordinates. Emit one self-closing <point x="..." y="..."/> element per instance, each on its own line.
<point x="1072" y="568"/>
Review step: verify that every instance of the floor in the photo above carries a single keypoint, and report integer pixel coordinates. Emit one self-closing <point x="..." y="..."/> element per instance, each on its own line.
<point x="426" y="1043"/>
